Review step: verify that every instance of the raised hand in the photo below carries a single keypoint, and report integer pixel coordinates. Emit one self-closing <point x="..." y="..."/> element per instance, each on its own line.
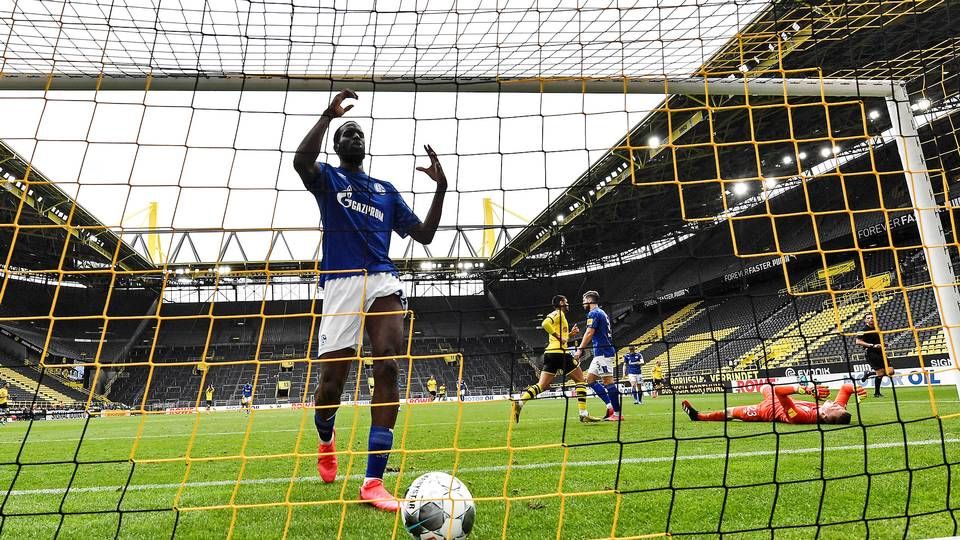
<point x="336" y="108"/>
<point x="434" y="171"/>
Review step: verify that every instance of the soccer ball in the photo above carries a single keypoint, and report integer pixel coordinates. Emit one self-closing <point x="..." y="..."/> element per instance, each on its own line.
<point x="438" y="507"/>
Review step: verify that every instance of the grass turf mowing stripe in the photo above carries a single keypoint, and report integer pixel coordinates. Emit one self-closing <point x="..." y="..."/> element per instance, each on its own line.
<point x="499" y="468"/>
<point x="125" y="436"/>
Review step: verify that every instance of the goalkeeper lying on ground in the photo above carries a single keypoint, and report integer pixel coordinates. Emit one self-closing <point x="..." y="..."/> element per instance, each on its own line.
<point x="778" y="406"/>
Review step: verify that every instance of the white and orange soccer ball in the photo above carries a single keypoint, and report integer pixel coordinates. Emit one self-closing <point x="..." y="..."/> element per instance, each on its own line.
<point x="438" y="506"/>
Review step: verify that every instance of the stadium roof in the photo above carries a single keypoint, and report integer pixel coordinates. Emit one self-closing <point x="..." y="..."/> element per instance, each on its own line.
<point x="603" y="216"/>
<point x="48" y="220"/>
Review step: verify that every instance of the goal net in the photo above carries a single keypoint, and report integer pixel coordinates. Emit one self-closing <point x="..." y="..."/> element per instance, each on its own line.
<point x="744" y="184"/>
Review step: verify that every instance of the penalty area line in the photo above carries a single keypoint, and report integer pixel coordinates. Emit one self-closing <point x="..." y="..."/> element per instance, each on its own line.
<point x="493" y="468"/>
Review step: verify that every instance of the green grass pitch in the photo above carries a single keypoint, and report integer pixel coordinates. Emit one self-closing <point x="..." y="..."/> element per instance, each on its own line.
<point x="669" y="474"/>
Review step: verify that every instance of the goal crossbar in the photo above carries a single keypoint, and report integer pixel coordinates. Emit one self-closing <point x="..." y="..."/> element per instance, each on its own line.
<point x="814" y="87"/>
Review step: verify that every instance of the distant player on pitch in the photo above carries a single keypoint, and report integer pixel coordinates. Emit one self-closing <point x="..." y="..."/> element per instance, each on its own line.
<point x="557" y="362"/>
<point x="432" y="388"/>
<point x="633" y="361"/>
<point x="4" y="399"/>
<point x="657" y="375"/>
<point x="778" y="406"/>
<point x="869" y="338"/>
<point x="246" y="398"/>
<point x="463" y="389"/>
<point x="209" y="396"/>
<point x="604" y="355"/>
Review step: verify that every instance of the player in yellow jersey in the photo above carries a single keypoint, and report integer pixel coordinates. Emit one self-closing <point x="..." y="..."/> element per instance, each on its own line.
<point x="370" y="384"/>
<point x="209" y="397"/>
<point x="4" y="397"/>
<point x="442" y="392"/>
<point x="557" y="361"/>
<point x="432" y="388"/>
<point x="657" y="377"/>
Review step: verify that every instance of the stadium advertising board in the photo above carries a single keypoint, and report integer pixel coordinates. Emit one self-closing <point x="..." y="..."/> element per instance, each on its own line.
<point x="704" y="383"/>
<point x="49" y="414"/>
<point x="831" y="374"/>
<point x="757" y="268"/>
<point x="908" y="373"/>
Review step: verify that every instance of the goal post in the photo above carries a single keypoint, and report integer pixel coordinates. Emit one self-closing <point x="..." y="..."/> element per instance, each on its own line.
<point x="739" y="86"/>
<point x="925" y="209"/>
<point x="904" y="125"/>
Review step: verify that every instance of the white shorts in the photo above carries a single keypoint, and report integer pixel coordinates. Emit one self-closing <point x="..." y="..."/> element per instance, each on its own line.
<point x="246" y="400"/>
<point x="344" y="299"/>
<point x="635" y="378"/>
<point x="601" y="366"/>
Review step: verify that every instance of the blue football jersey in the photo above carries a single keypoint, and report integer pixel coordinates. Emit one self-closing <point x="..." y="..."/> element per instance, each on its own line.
<point x="247" y="390"/>
<point x="602" y="337"/>
<point x="634" y="363"/>
<point x="358" y="214"/>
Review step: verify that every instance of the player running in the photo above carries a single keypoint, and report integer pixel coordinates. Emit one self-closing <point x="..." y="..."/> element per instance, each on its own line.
<point x="442" y="392"/>
<point x="778" y="406"/>
<point x="432" y="388"/>
<point x="463" y="389"/>
<point x="359" y="214"/>
<point x="246" y="398"/>
<point x="557" y="361"/>
<point x="872" y="344"/>
<point x="601" y="367"/>
<point x="633" y="361"/>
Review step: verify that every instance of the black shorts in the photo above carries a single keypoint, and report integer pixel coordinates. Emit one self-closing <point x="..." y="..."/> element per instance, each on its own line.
<point x="433" y="393"/>
<point x="209" y="403"/>
<point x="3" y="406"/>
<point x="558" y="363"/>
<point x="876" y="361"/>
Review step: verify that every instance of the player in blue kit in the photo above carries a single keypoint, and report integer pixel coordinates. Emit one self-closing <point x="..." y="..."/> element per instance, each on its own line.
<point x="358" y="216"/>
<point x="246" y="397"/>
<point x="604" y="354"/>
<point x="633" y="362"/>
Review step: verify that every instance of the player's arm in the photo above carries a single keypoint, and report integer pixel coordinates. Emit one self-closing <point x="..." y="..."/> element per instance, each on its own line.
<point x="587" y="336"/>
<point x="783" y="392"/>
<point x="305" y="159"/>
<point x="549" y="328"/>
<point x="790" y="389"/>
<point x="846" y="391"/>
<point x="863" y="343"/>
<point x="423" y="232"/>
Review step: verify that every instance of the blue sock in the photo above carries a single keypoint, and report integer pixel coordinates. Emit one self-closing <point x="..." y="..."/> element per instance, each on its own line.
<point x="381" y="439"/>
<point x="635" y="396"/>
<point x="324" y="425"/>
<point x="600" y="391"/>
<point x="614" y="394"/>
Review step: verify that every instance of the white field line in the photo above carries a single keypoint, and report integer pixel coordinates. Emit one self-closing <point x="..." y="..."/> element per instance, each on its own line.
<point x="496" y="468"/>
